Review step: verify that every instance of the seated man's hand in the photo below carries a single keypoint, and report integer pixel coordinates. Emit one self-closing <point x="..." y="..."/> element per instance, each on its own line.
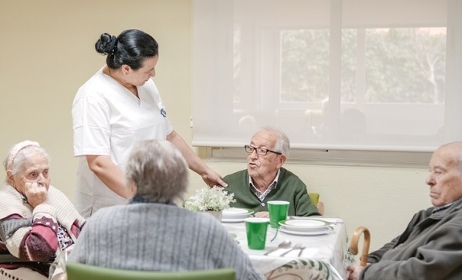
<point x="353" y="272"/>
<point x="262" y="214"/>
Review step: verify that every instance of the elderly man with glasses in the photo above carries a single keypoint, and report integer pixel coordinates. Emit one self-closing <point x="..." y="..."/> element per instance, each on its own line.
<point x="265" y="179"/>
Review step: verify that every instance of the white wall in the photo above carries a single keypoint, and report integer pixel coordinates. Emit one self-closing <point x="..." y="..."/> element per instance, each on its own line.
<point x="47" y="52"/>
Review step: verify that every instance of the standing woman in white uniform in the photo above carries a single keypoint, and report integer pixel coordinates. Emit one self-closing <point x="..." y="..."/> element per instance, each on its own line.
<point x="116" y="108"/>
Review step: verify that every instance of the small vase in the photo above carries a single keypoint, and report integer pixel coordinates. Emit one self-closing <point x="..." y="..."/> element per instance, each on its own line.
<point x="216" y="214"/>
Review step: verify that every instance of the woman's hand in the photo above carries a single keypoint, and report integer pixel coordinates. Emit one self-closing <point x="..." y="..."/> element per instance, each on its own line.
<point x="36" y="193"/>
<point x="211" y="178"/>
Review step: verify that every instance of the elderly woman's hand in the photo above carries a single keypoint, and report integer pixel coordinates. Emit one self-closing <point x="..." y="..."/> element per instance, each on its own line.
<point x="36" y="194"/>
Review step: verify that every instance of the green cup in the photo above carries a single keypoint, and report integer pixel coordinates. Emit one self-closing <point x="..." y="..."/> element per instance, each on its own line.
<point x="278" y="211"/>
<point x="256" y="229"/>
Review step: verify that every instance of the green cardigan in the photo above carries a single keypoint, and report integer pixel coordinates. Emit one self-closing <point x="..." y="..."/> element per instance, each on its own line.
<point x="289" y="188"/>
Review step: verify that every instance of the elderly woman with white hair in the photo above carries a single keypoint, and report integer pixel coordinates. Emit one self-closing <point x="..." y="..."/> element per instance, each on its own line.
<point x="36" y="220"/>
<point x="152" y="233"/>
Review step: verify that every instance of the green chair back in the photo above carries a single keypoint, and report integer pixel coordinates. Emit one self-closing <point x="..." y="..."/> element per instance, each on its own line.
<point x="78" y="271"/>
<point x="314" y="198"/>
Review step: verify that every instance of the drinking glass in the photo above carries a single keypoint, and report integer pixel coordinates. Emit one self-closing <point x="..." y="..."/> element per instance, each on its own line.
<point x="278" y="210"/>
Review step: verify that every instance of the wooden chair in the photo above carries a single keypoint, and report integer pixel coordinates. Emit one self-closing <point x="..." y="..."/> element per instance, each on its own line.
<point x="354" y="244"/>
<point x="314" y="197"/>
<point x="79" y="271"/>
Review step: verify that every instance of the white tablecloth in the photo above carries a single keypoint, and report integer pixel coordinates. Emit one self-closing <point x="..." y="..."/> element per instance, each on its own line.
<point x="324" y="255"/>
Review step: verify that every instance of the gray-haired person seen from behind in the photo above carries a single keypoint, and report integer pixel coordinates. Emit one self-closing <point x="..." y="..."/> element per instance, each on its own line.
<point x="151" y="232"/>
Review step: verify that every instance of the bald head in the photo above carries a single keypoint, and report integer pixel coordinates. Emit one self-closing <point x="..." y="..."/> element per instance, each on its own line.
<point x="453" y="153"/>
<point x="445" y="179"/>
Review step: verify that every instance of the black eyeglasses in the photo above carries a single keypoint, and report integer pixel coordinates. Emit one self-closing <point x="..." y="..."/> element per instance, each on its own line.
<point x="260" y="151"/>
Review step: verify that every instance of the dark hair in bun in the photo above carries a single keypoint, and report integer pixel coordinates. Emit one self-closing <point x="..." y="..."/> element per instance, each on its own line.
<point x="131" y="47"/>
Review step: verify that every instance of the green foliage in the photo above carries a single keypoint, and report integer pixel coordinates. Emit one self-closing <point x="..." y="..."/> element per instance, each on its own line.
<point x="397" y="65"/>
<point x="303" y="72"/>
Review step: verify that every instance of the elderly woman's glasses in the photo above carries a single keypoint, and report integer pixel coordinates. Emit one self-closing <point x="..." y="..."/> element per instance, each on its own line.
<point x="260" y="151"/>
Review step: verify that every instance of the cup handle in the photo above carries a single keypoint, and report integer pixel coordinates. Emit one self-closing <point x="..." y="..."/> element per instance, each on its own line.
<point x="276" y="234"/>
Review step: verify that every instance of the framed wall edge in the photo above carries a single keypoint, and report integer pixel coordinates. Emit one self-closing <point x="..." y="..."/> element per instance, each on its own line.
<point x="366" y="158"/>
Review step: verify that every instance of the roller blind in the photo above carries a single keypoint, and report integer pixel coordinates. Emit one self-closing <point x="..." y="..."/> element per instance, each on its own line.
<point x="339" y="74"/>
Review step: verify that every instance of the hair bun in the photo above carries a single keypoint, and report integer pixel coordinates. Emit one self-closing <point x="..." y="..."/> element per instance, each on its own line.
<point x="106" y="44"/>
<point x="111" y="45"/>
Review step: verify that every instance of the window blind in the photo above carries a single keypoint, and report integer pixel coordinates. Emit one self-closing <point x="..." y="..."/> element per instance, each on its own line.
<point x="338" y="74"/>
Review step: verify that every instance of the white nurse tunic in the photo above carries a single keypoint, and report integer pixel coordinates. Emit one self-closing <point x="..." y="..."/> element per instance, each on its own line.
<point x="108" y="120"/>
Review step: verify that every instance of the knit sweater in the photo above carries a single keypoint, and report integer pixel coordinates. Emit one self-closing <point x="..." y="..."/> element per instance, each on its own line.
<point x="289" y="188"/>
<point x="31" y="233"/>
<point x="159" y="237"/>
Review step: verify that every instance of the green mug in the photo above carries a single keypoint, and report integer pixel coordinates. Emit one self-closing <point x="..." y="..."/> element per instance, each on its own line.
<point x="278" y="210"/>
<point x="256" y="229"/>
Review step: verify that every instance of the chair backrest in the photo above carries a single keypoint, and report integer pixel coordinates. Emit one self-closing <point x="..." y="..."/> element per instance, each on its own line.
<point x="78" y="271"/>
<point x="314" y="197"/>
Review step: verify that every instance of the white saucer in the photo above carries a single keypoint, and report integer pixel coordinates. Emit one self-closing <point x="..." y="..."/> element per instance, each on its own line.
<point x="305" y="225"/>
<point x="236" y="213"/>
<point x="234" y="220"/>
<point x="326" y="230"/>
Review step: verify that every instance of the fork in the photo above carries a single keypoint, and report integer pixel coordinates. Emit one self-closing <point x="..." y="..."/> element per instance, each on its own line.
<point x="301" y="250"/>
<point x="297" y="246"/>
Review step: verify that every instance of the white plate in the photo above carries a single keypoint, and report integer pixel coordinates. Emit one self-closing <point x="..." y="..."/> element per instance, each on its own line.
<point x="236" y="213"/>
<point x="327" y="230"/>
<point x="305" y="225"/>
<point x="234" y="220"/>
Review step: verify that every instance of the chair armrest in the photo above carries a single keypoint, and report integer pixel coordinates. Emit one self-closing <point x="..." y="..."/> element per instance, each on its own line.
<point x="9" y="258"/>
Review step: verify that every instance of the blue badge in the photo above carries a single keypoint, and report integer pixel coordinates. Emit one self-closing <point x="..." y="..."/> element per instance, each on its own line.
<point x="163" y="112"/>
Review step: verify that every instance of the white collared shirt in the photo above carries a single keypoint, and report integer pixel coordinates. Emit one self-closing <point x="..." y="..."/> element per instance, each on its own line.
<point x="262" y="195"/>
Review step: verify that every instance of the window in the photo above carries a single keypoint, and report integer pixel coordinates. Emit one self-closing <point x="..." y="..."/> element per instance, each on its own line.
<point x="339" y="74"/>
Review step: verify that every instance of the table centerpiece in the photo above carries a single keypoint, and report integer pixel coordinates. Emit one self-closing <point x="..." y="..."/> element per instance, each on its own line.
<point x="211" y="200"/>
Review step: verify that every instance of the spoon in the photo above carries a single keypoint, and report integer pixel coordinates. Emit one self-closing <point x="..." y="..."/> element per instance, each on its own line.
<point x="283" y="245"/>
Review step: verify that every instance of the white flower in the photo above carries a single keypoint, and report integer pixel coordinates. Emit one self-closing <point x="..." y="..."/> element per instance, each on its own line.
<point x="209" y="199"/>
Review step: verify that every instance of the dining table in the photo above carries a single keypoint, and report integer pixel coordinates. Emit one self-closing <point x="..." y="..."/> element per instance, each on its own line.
<point x="318" y="256"/>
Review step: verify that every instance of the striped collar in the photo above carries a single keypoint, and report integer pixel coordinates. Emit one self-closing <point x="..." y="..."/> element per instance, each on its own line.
<point x="440" y="208"/>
